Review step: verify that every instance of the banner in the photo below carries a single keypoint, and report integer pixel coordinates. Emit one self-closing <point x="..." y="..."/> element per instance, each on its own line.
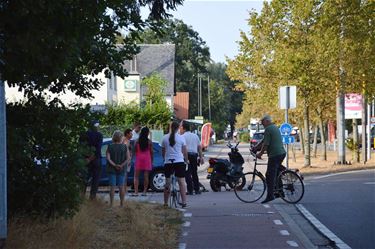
<point x="205" y="135"/>
<point x="353" y="106"/>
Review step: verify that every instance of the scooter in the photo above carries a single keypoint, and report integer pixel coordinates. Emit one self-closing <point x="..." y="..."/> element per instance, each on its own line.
<point x="226" y="173"/>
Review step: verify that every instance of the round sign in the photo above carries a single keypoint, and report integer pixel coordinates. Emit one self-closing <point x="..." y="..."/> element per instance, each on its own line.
<point x="372" y="120"/>
<point x="286" y="129"/>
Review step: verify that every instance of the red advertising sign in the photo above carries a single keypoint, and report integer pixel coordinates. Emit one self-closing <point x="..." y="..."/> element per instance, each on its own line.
<point x="353" y="106"/>
<point x="205" y="135"/>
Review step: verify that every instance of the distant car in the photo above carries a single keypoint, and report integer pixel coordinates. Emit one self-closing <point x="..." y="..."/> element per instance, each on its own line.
<point x="257" y="137"/>
<point x="157" y="177"/>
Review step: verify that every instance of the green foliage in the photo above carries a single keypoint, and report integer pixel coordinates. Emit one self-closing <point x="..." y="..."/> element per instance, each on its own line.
<point x="245" y="137"/>
<point x="48" y="133"/>
<point x="125" y="115"/>
<point x="54" y="45"/>
<point x="192" y="56"/>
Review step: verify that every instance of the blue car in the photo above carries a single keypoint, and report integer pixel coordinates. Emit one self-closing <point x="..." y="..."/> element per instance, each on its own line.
<point x="157" y="177"/>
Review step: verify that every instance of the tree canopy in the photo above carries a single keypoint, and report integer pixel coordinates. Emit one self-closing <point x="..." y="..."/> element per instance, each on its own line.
<point x="57" y="45"/>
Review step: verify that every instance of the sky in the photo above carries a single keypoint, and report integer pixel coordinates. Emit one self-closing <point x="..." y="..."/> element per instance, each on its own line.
<point x="218" y="23"/>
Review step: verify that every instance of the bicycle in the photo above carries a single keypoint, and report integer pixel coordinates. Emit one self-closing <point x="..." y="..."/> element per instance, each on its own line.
<point x="289" y="185"/>
<point x="174" y="191"/>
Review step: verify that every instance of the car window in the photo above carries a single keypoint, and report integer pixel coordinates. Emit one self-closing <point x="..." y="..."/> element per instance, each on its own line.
<point x="104" y="150"/>
<point x="258" y="136"/>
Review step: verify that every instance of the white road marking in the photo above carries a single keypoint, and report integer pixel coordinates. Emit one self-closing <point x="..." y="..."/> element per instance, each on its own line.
<point x="266" y="205"/>
<point x="277" y="222"/>
<point x="181" y="209"/>
<point x="182" y="246"/>
<point x="369" y="183"/>
<point x="185" y="234"/>
<point x="292" y="243"/>
<point x="186" y="224"/>
<point x="188" y="214"/>
<point x="323" y="229"/>
<point x="340" y="173"/>
<point x="270" y="212"/>
<point x="284" y="232"/>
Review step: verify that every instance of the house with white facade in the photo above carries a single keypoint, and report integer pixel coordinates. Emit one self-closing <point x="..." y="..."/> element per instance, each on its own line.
<point x="158" y="58"/>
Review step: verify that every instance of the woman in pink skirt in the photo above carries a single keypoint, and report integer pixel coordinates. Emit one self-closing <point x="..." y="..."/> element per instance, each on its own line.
<point x="143" y="160"/>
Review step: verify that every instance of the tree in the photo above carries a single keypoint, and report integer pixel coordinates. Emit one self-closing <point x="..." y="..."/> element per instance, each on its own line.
<point x="192" y="55"/>
<point x="55" y="45"/>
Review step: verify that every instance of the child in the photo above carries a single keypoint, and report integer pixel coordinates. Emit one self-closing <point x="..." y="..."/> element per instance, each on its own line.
<point x="117" y="159"/>
<point x="143" y="160"/>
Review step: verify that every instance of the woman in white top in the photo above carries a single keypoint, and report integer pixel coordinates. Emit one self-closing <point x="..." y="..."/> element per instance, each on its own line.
<point x="175" y="155"/>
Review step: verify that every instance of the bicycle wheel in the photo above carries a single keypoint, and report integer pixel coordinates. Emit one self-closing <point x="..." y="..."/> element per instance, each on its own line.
<point x="293" y="188"/>
<point x="254" y="187"/>
<point x="173" y="199"/>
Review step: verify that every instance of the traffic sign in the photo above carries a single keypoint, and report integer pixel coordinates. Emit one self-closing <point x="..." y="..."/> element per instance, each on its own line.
<point x="286" y="129"/>
<point x="288" y="139"/>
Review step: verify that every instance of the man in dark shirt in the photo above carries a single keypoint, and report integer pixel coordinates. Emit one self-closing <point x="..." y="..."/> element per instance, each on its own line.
<point x="95" y="139"/>
<point x="272" y="143"/>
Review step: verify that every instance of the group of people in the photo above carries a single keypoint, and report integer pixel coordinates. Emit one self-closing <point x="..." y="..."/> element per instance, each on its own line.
<point x="179" y="148"/>
<point x="182" y="153"/>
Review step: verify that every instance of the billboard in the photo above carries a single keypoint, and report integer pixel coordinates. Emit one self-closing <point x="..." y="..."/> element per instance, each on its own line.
<point x="353" y="106"/>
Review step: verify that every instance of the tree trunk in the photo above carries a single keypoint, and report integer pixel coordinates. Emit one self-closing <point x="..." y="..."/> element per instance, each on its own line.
<point x="302" y="139"/>
<point x="315" y="145"/>
<point x="364" y="124"/>
<point x="340" y="114"/>
<point x="323" y="139"/>
<point x="355" y="141"/>
<point x="306" y="123"/>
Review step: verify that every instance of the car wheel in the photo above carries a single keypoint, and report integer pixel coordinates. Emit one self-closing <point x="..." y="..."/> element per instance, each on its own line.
<point x="157" y="180"/>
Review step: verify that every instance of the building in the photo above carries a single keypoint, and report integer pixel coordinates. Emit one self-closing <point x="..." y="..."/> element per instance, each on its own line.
<point x="151" y="58"/>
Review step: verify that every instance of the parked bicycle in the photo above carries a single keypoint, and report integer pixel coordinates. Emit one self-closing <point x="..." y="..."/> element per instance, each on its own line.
<point x="289" y="185"/>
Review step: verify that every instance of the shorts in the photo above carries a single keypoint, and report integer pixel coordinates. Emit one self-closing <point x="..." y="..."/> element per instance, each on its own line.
<point x="115" y="179"/>
<point x="179" y="169"/>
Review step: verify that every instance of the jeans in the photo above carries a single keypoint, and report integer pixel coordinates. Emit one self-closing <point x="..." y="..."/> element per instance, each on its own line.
<point x="94" y="169"/>
<point x="273" y="170"/>
<point x="191" y="177"/>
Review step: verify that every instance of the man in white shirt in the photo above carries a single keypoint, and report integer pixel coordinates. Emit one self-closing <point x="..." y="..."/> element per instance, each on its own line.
<point x="194" y="148"/>
<point x="136" y="130"/>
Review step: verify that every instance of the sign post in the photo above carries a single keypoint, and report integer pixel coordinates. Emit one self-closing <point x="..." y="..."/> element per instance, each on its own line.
<point x="287" y="100"/>
<point x="3" y="167"/>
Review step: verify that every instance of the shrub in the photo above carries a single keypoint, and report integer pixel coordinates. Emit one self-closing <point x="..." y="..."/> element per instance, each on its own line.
<point x="45" y="162"/>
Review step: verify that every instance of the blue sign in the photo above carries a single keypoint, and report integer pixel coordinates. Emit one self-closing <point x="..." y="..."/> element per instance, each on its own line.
<point x="286" y="129"/>
<point x="288" y="139"/>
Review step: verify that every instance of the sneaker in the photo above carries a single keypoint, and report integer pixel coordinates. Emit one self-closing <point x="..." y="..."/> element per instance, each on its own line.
<point x="189" y="193"/>
<point x="198" y="192"/>
<point x="183" y="205"/>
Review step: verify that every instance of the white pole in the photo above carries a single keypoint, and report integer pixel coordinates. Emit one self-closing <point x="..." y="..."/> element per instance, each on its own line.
<point x="209" y="99"/>
<point x="3" y="165"/>
<point x="368" y="131"/>
<point x="286" y="121"/>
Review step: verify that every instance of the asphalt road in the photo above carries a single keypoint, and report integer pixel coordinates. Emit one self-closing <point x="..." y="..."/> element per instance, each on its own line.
<point x="345" y="204"/>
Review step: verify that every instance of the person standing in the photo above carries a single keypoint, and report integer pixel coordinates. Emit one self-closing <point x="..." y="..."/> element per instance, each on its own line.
<point x="272" y="143"/>
<point x="95" y="139"/>
<point x="175" y="155"/>
<point x="143" y="160"/>
<point x="127" y="141"/>
<point x="194" y="150"/>
<point x="117" y="161"/>
<point x="136" y="130"/>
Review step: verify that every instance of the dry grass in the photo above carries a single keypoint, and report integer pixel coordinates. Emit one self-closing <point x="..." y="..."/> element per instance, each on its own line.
<point x="137" y="225"/>
<point x="318" y="166"/>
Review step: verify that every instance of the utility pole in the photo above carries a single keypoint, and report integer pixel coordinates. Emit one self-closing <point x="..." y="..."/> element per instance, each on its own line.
<point x="209" y="98"/>
<point x="3" y="166"/>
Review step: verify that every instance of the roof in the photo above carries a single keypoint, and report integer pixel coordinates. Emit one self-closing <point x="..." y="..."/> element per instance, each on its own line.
<point x="155" y="58"/>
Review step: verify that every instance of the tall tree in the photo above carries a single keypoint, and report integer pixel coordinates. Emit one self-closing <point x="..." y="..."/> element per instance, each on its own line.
<point x="192" y="55"/>
<point x="55" y="45"/>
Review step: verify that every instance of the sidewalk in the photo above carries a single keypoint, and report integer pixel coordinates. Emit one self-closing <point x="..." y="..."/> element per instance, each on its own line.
<point x="220" y="220"/>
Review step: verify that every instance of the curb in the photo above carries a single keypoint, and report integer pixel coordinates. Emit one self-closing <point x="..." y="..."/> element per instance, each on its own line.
<point x="338" y="243"/>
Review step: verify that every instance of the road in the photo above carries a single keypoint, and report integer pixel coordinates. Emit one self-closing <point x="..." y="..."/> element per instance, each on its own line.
<point x="345" y="204"/>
